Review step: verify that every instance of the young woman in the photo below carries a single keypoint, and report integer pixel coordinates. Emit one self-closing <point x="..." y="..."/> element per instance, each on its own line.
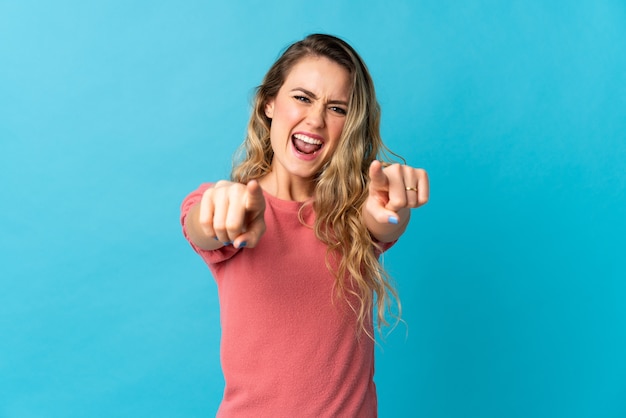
<point x="293" y="239"/>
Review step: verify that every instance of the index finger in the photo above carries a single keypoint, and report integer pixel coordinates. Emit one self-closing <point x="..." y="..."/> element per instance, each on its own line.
<point x="254" y="197"/>
<point x="378" y="179"/>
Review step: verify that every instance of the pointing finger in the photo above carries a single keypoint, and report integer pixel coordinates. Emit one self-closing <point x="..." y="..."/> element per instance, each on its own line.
<point x="378" y="179"/>
<point x="254" y="198"/>
<point x="254" y="208"/>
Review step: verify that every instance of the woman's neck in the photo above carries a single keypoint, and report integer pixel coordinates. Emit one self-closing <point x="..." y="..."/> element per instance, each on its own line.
<point x="286" y="187"/>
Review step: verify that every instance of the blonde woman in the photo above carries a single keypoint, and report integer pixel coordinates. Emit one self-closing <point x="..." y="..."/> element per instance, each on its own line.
<point x="293" y="239"/>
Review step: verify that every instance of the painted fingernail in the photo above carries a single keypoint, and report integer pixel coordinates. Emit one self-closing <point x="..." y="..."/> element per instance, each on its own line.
<point x="227" y="242"/>
<point x="393" y="220"/>
<point x="242" y="244"/>
<point x="216" y="238"/>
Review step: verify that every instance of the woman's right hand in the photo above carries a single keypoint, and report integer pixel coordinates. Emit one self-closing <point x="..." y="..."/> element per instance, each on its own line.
<point x="231" y="213"/>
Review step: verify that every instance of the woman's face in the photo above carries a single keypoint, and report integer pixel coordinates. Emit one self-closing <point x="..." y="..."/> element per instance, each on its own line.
<point x="308" y="115"/>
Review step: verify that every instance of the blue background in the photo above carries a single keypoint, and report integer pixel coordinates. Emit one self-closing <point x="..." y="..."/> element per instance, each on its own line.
<point x="513" y="277"/>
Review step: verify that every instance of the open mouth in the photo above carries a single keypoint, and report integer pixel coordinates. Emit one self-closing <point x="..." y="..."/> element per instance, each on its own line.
<point x="305" y="144"/>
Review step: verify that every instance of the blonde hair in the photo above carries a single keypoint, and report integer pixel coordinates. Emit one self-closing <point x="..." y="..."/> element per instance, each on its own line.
<point x="342" y="185"/>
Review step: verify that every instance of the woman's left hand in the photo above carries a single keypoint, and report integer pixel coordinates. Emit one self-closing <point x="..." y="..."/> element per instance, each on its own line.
<point x="393" y="188"/>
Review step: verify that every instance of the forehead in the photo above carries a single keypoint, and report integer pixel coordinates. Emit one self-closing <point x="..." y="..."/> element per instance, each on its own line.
<point x="319" y="75"/>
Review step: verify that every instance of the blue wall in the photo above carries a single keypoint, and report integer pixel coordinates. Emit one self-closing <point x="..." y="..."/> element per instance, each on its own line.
<point x="513" y="277"/>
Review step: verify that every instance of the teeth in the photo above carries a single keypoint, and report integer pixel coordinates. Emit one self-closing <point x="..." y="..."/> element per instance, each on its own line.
<point x="308" y="139"/>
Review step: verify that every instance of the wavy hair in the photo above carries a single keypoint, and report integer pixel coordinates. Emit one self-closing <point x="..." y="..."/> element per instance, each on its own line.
<point x="341" y="186"/>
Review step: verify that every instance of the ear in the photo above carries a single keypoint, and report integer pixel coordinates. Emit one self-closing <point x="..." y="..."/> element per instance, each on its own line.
<point x="269" y="108"/>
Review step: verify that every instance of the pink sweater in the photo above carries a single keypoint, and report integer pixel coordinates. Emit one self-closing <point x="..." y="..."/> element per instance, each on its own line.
<point x="288" y="347"/>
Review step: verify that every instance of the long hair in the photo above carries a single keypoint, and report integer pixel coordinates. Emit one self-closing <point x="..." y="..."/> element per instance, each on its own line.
<point x="341" y="186"/>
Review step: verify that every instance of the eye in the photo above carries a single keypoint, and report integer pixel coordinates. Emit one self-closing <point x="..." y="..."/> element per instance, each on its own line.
<point x="302" y="99"/>
<point x="339" y="110"/>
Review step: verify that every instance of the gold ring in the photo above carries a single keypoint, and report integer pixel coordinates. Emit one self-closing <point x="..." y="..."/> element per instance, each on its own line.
<point x="413" y="189"/>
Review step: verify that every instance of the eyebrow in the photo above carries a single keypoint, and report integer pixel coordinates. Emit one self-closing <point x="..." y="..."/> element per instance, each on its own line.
<point x="310" y="93"/>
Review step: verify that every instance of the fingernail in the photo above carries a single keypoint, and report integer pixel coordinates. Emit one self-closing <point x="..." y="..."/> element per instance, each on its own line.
<point x="242" y="244"/>
<point x="227" y="242"/>
<point x="216" y="238"/>
<point x="393" y="220"/>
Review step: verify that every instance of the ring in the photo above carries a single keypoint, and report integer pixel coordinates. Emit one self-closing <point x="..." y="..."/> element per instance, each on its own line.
<point x="413" y="189"/>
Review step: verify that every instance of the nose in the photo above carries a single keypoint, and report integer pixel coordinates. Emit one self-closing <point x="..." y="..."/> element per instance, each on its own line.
<point x="316" y="116"/>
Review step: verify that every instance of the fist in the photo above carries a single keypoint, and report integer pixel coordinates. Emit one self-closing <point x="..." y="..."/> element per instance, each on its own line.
<point x="232" y="213"/>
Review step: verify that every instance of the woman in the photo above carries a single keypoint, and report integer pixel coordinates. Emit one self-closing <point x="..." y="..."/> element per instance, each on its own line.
<point x="293" y="239"/>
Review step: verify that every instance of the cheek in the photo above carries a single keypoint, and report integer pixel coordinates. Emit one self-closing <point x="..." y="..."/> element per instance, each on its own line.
<point x="336" y="128"/>
<point x="285" y="112"/>
<point x="293" y="115"/>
